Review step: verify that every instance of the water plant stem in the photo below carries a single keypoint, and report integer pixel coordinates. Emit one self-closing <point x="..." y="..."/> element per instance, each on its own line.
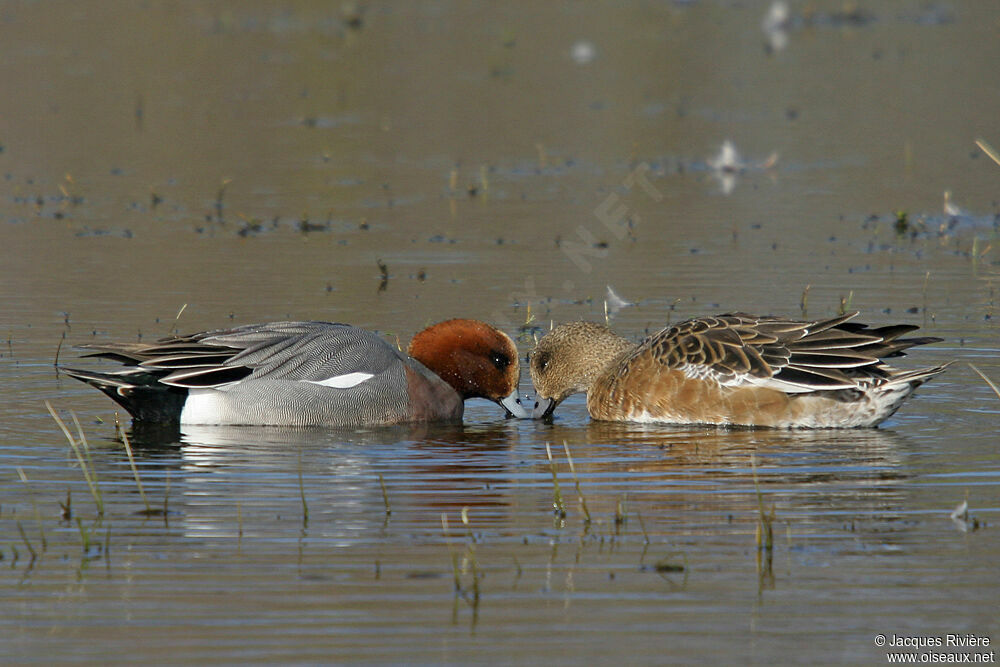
<point x="27" y="543"/>
<point x="166" y="500"/>
<point x="558" y="505"/>
<point x="988" y="381"/>
<point x="302" y="494"/>
<point x="471" y="550"/>
<point x="135" y="470"/>
<point x="55" y="362"/>
<point x="452" y="553"/>
<point x="385" y="495"/>
<point x="765" y="531"/>
<point x="34" y="506"/>
<point x="989" y="150"/>
<point x="178" y="317"/>
<point x="642" y="525"/>
<point x="91" y="480"/>
<point x="576" y="482"/>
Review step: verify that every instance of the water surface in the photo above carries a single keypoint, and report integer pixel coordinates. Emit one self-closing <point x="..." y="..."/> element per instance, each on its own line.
<point x="188" y="166"/>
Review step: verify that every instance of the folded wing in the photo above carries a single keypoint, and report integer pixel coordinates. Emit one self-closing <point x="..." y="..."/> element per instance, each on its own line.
<point x="334" y="355"/>
<point x="789" y="355"/>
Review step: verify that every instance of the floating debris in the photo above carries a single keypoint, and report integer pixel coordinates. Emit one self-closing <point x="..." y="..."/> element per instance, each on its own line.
<point x="950" y="209"/>
<point x="728" y="165"/>
<point x="384" y="278"/>
<point x="728" y="159"/>
<point x="960" y="517"/>
<point x="583" y="52"/>
<point x="775" y="26"/>
<point x="902" y="223"/>
<point x="665" y="565"/>
<point x="613" y="302"/>
<point x="353" y="15"/>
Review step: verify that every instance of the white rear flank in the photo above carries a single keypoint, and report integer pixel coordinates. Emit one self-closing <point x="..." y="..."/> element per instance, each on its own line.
<point x="204" y="406"/>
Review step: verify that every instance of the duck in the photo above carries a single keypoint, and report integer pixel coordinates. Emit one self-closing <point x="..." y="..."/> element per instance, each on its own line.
<point x="733" y="369"/>
<point x="309" y="374"/>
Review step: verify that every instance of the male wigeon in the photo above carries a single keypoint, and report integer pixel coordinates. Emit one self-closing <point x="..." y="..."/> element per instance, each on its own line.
<point x="310" y="374"/>
<point x="734" y="369"/>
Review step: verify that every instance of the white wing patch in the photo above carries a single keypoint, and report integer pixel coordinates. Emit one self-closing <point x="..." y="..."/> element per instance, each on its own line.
<point x="343" y="381"/>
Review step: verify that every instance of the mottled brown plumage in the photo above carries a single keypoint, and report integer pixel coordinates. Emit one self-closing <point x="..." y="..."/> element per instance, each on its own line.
<point x="733" y="369"/>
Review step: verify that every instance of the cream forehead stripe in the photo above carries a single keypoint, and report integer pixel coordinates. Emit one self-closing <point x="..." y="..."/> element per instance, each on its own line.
<point x="343" y="381"/>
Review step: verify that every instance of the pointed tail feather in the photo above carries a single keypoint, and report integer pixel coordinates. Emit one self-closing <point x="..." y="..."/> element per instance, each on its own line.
<point x="889" y="395"/>
<point x="138" y="391"/>
<point x="919" y="376"/>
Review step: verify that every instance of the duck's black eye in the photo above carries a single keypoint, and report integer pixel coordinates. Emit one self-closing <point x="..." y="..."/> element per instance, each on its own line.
<point x="500" y="360"/>
<point x="541" y="360"/>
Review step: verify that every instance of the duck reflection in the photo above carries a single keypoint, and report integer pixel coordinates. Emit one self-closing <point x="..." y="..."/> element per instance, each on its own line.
<point x="713" y="445"/>
<point x="276" y="475"/>
<point x="246" y="480"/>
<point x="674" y="471"/>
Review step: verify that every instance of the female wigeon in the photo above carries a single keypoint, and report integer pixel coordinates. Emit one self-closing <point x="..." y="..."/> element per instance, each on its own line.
<point x="734" y="369"/>
<point x="310" y="374"/>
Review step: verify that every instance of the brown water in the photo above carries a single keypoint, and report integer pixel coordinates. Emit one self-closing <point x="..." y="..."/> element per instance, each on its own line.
<point x="245" y="162"/>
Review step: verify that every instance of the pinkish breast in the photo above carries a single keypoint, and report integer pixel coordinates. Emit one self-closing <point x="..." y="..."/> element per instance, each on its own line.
<point x="431" y="398"/>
